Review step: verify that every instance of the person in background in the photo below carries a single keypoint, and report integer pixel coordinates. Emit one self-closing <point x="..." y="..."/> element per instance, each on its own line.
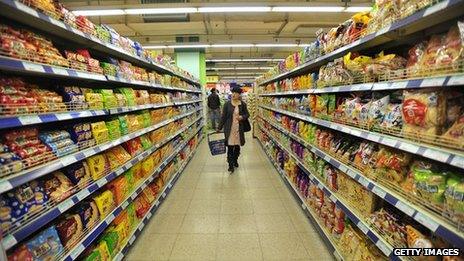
<point x="234" y="113"/>
<point x="214" y="105"/>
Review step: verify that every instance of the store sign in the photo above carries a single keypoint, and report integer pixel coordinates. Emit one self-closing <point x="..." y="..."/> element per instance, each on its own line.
<point x="212" y="78"/>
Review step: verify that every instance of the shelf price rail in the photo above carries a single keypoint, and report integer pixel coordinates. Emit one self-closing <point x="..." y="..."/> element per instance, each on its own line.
<point x="427" y="17"/>
<point x="7" y="121"/>
<point x="27" y="175"/>
<point x="383" y="246"/>
<point x="453" y="158"/>
<point x="22" y="13"/>
<point x="30" y="227"/>
<point x="440" y="228"/>
<point x="87" y="240"/>
<point x="156" y="205"/>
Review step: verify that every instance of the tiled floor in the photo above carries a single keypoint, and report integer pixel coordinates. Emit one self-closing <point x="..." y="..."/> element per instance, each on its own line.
<point x="211" y="215"/>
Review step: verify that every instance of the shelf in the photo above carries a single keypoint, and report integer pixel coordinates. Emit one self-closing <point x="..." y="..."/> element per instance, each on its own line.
<point x="332" y="246"/>
<point x="383" y="246"/>
<point x="24" y="120"/>
<point x="27" y="175"/>
<point x="87" y="240"/>
<point x="138" y="230"/>
<point x="425" y="18"/>
<point x="24" y="14"/>
<point x="439" y="82"/>
<point x="27" y="228"/>
<point x="44" y="70"/>
<point x="437" y="226"/>
<point x="453" y="158"/>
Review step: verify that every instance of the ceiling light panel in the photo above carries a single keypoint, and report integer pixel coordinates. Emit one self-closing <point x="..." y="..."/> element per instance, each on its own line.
<point x="99" y="12"/>
<point x="308" y="9"/>
<point x="236" y="9"/>
<point x="186" y="10"/>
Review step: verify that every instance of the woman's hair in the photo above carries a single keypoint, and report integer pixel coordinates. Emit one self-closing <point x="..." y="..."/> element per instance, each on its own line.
<point x="237" y="90"/>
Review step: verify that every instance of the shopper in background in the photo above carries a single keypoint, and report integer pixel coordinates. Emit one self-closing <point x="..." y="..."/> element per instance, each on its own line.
<point x="214" y="105"/>
<point x="234" y="114"/>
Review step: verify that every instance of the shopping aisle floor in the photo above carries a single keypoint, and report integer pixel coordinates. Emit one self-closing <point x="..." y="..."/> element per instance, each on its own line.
<point x="212" y="215"/>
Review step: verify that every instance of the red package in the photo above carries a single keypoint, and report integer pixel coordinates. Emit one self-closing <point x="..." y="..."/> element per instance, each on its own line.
<point x="141" y="206"/>
<point x="84" y="53"/>
<point x="133" y="146"/>
<point x="28" y="152"/>
<point x="21" y="254"/>
<point x="22" y="142"/>
<point x="23" y="133"/>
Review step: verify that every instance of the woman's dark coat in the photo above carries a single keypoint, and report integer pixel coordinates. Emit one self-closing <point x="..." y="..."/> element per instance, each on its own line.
<point x="226" y="120"/>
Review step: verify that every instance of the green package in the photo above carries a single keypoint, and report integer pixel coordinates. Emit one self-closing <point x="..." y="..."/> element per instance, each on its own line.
<point x="146" y="143"/>
<point x="145" y="119"/>
<point x="129" y="175"/>
<point x="109" y="69"/>
<point x="132" y="215"/>
<point x="123" y="127"/>
<point x="111" y="238"/>
<point x="102" y="33"/>
<point x="113" y="129"/>
<point x="130" y="96"/>
<point x="94" y="256"/>
<point x="109" y="100"/>
<point x="430" y="182"/>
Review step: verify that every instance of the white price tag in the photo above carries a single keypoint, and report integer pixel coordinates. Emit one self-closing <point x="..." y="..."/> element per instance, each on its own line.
<point x="379" y="192"/>
<point x="458" y="161"/>
<point x="386" y="250"/>
<point x="131" y="240"/>
<point x="333" y="198"/>
<point x="404" y="208"/>
<point x="456" y="80"/>
<point x="133" y="196"/>
<point x="9" y="241"/>
<point x="362" y="227"/>
<point x="435" y="8"/>
<point x="157" y="203"/>
<point x="110" y="218"/>
<point x="433" y="82"/>
<point x="125" y="204"/>
<point x="77" y="31"/>
<point x="438" y="155"/>
<point x="164" y="194"/>
<point x="68" y="160"/>
<point x="57" y="23"/>
<point x="409" y="147"/>
<point x="383" y="30"/>
<point x="5" y="186"/>
<point x="363" y="181"/>
<point x="101" y="182"/>
<point x="170" y="185"/>
<point x="88" y="153"/>
<point x="142" y="225"/>
<point x="27" y="120"/>
<point x="65" y="205"/>
<point x="83" y="194"/>
<point x="59" y="71"/>
<point x="356" y="133"/>
<point x="399" y="85"/>
<point x="63" y="116"/>
<point x="303" y="206"/>
<point x="77" y="251"/>
<point x="149" y="215"/>
<point x="26" y="9"/>
<point x="426" y="221"/>
<point x="389" y="142"/>
<point x="33" y="67"/>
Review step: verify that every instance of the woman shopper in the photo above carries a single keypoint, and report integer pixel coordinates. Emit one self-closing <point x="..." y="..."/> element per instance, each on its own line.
<point x="234" y="114"/>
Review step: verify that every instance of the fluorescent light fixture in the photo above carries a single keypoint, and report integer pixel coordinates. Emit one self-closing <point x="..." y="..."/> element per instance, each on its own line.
<point x="227" y="60"/>
<point x="238" y="68"/>
<point x="237" y="77"/>
<point x="189" y="46"/>
<point x="356" y="9"/>
<point x="183" y="10"/>
<point x="99" y="12"/>
<point x="231" y="45"/>
<point x="155" y="46"/>
<point x="309" y="9"/>
<point x="276" y="45"/>
<point x="237" y="9"/>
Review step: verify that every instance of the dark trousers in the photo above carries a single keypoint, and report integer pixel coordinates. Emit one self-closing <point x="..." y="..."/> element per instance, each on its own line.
<point x="232" y="154"/>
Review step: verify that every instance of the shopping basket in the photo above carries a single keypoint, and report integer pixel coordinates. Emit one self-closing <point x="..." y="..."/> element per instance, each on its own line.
<point x="216" y="146"/>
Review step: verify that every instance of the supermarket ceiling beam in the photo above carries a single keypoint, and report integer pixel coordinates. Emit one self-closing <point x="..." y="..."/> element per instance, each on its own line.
<point x="190" y="8"/>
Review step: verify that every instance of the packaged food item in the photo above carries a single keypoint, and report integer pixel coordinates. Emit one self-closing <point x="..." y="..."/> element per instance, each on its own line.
<point x="57" y="186"/>
<point x="54" y="136"/>
<point x="70" y="230"/>
<point x="145" y="119"/>
<point x="10" y="162"/>
<point x="81" y="133"/>
<point x="141" y="206"/>
<point x="123" y="125"/>
<point x="78" y="173"/>
<point x="113" y="129"/>
<point x="105" y="203"/>
<point x="111" y="238"/>
<point x="430" y="182"/>
<point x="21" y="253"/>
<point x="119" y="154"/>
<point x="119" y="188"/>
<point x="45" y="246"/>
<point x="130" y="96"/>
<point x="98" y="165"/>
<point x="94" y="100"/>
<point x="108" y="98"/>
<point x="423" y="113"/>
<point x="145" y="141"/>
<point x="147" y="166"/>
<point x="133" y="123"/>
<point x="59" y="142"/>
<point x="133" y="146"/>
<point x="121" y="100"/>
<point x="100" y="132"/>
<point x="88" y="213"/>
<point x="129" y="175"/>
<point x="416" y="239"/>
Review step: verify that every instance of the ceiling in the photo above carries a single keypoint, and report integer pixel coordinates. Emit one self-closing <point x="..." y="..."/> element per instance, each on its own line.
<point x="221" y="28"/>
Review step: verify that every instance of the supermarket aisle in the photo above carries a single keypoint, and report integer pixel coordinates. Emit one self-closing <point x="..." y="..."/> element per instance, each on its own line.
<point x="211" y="215"/>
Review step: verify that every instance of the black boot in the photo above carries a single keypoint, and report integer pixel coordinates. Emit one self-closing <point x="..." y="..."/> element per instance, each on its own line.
<point x="236" y="164"/>
<point x="231" y="168"/>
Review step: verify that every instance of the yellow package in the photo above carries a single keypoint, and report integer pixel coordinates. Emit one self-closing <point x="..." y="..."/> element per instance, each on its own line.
<point x="98" y="166"/>
<point x="100" y="132"/>
<point x="356" y="64"/>
<point x="105" y="203"/>
<point x="113" y="162"/>
<point x="104" y="251"/>
<point x="147" y="166"/>
<point x="95" y="100"/>
<point x="122" y="231"/>
<point x="137" y="172"/>
<point x="133" y="123"/>
<point x="120" y="154"/>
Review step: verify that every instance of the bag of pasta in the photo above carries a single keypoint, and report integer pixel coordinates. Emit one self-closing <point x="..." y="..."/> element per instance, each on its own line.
<point x="423" y="114"/>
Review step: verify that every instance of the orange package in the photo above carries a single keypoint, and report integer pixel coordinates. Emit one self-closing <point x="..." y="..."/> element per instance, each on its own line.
<point x="120" y="189"/>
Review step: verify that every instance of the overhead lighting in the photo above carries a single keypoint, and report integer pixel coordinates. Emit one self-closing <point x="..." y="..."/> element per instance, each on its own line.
<point x="308" y="9"/>
<point x="99" y="12"/>
<point x="185" y="10"/>
<point x="236" y="9"/>
<point x="276" y="45"/>
<point x="238" y="68"/>
<point x="244" y="60"/>
<point x="238" y="73"/>
<point x="356" y="9"/>
<point x="237" y="77"/>
<point x="231" y="45"/>
<point x="189" y="46"/>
